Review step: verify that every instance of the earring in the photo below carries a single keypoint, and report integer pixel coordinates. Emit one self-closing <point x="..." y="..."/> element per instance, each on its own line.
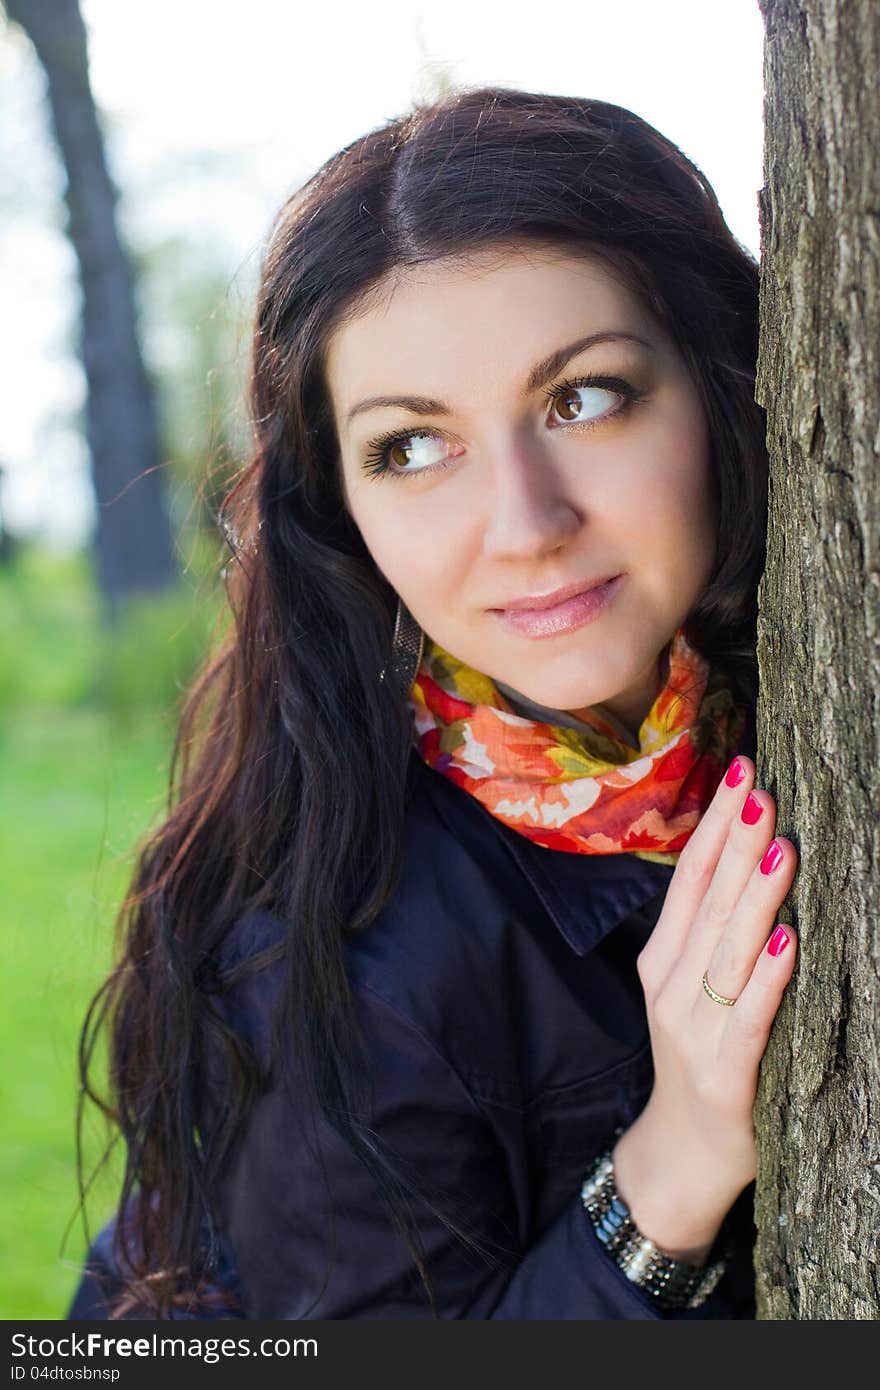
<point x="407" y="646"/>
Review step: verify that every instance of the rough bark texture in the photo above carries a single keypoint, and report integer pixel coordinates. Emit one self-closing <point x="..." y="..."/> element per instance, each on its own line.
<point x="133" y="540"/>
<point x="818" y="1201"/>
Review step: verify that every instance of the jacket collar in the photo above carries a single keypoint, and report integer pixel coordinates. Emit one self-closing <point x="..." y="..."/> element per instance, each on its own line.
<point x="585" y="895"/>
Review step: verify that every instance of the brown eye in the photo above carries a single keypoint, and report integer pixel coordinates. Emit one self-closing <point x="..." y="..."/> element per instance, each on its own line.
<point x="406" y="455"/>
<point x="415" y="452"/>
<point x="568" y="402"/>
<point x="584" y="402"/>
<point x="398" y="456"/>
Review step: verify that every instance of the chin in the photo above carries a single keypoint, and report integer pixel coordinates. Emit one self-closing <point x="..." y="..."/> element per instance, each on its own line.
<point x="571" y="691"/>
<point x="567" y="698"/>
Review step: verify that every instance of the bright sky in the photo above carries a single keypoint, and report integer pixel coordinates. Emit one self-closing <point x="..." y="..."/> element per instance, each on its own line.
<point x="268" y="91"/>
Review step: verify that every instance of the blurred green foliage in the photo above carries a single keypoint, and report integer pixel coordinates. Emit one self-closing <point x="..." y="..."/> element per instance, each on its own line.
<point x="54" y="650"/>
<point x="86" y="726"/>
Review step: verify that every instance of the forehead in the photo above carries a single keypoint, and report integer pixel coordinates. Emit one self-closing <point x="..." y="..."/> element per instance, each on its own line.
<point x="513" y="295"/>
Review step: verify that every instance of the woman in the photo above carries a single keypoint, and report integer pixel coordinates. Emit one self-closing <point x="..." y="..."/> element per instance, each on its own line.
<point x="446" y="981"/>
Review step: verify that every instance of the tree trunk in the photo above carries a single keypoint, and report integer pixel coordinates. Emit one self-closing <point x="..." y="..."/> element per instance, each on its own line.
<point x="133" y="539"/>
<point x="818" y="1197"/>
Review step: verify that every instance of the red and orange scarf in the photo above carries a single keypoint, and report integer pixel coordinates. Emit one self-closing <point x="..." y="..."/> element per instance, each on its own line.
<point x="585" y="791"/>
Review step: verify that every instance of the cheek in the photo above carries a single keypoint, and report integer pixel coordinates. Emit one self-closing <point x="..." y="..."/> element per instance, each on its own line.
<point x="418" y="555"/>
<point x="690" y="486"/>
<point x="661" y="501"/>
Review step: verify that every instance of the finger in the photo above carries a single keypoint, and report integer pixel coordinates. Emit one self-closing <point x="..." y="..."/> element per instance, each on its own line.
<point x="751" y="1018"/>
<point x="733" y="956"/>
<point x="750" y="834"/>
<point x="694" y="870"/>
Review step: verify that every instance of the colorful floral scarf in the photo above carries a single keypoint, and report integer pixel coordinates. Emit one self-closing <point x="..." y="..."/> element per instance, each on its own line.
<point x="586" y="791"/>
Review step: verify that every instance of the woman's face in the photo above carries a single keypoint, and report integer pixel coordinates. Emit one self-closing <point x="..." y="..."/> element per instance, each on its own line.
<point x="496" y="491"/>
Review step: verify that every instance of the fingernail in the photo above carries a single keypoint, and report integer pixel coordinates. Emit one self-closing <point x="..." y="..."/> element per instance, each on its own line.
<point x="735" y="773"/>
<point x="752" y="810"/>
<point x="778" y="942"/>
<point x="773" y="857"/>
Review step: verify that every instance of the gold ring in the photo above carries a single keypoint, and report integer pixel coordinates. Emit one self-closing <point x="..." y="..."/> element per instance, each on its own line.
<point x="719" y="998"/>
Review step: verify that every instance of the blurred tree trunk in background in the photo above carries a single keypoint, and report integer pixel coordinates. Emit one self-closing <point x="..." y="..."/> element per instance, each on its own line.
<point x="133" y="541"/>
<point x="818" y="1197"/>
<point x="7" y="541"/>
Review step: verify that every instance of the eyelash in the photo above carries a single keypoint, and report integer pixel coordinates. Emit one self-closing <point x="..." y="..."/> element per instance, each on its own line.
<point x="376" y="461"/>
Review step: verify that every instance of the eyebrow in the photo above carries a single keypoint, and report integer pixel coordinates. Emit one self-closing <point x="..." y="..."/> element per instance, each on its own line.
<point x="540" y="373"/>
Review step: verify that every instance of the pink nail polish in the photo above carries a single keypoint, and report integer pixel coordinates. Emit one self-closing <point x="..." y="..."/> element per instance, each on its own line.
<point x="773" y="857"/>
<point x="778" y="942"/>
<point x="752" y="810"/>
<point x="735" y="773"/>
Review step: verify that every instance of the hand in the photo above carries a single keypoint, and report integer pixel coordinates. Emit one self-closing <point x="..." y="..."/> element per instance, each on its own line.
<point x="690" y="1153"/>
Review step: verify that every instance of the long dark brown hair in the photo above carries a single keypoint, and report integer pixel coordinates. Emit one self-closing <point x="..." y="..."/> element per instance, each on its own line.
<point x="289" y="776"/>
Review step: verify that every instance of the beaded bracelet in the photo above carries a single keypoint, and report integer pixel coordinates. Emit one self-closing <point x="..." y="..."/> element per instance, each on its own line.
<point x="672" y="1283"/>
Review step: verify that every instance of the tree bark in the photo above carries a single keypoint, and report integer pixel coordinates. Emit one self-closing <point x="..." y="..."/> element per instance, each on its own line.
<point x="133" y="540"/>
<point x="818" y="1192"/>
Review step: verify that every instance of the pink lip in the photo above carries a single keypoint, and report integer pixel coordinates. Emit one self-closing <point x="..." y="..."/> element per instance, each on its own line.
<point x="573" y="612"/>
<point x="580" y="586"/>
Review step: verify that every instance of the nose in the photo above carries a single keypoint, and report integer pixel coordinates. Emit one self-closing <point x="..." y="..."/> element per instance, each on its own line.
<point x="529" y="513"/>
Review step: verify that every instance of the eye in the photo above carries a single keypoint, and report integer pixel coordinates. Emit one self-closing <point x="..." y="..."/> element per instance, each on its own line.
<point x="587" y="399"/>
<point x="400" y="455"/>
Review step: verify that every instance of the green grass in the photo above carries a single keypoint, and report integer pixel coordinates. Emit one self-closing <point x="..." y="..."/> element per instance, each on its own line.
<point x="86" y="727"/>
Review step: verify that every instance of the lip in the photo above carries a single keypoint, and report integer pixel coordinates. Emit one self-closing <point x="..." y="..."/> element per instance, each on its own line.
<point x="557" y="596"/>
<point x="577" y="607"/>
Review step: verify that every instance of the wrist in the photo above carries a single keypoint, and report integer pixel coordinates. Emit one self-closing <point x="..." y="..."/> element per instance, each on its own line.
<point x="672" y="1283"/>
<point x="678" y="1197"/>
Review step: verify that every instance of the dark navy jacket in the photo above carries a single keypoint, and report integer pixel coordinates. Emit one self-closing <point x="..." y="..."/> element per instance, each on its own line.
<point x="498" y="995"/>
